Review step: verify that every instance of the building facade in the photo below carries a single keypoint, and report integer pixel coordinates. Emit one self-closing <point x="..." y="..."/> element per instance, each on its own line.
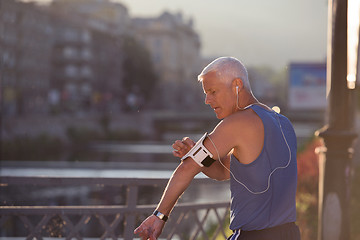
<point x="175" y="52"/>
<point x="26" y="39"/>
<point x="101" y="15"/>
<point x="59" y="62"/>
<point x="68" y="57"/>
<point x="89" y="55"/>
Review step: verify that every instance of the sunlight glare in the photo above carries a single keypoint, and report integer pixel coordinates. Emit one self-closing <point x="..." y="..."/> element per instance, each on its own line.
<point x="353" y="41"/>
<point x="276" y="109"/>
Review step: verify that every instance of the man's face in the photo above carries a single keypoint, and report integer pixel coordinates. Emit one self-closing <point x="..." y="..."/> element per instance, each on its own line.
<point x="219" y="96"/>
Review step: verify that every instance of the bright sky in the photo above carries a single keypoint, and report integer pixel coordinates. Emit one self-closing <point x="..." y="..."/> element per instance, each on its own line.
<point x="259" y="32"/>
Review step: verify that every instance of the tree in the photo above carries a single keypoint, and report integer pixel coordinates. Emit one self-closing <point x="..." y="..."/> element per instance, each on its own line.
<point x="139" y="75"/>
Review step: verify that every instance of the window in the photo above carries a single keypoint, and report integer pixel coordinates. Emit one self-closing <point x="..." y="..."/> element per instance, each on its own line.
<point x="86" y="53"/>
<point x="86" y="71"/>
<point x="69" y="52"/>
<point x="86" y="37"/>
<point x="70" y="34"/>
<point x="71" y="71"/>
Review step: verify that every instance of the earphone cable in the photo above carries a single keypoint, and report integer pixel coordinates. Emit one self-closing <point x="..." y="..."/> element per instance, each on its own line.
<point x="271" y="173"/>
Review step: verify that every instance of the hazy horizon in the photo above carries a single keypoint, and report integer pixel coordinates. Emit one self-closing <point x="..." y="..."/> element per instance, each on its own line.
<point x="271" y="33"/>
<point x="262" y="33"/>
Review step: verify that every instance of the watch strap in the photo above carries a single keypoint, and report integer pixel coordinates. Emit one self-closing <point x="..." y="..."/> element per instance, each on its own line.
<point x="161" y="215"/>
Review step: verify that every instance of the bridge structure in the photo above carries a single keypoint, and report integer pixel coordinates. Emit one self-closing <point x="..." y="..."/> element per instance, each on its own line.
<point x="189" y="220"/>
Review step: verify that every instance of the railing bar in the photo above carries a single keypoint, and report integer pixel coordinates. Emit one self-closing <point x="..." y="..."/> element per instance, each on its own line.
<point x="36" y="233"/>
<point x="70" y="226"/>
<point x="204" y="219"/>
<point x="69" y="210"/>
<point x="182" y="208"/>
<point x="67" y="223"/>
<point x="183" y="218"/>
<point x="218" y="229"/>
<point x="116" y="221"/>
<point x="216" y="233"/>
<point x="131" y="202"/>
<point x="65" y="212"/>
<point x="221" y="222"/>
<point x="200" y="224"/>
<point x="76" y="210"/>
<point x="3" y="219"/>
<point x="199" y="227"/>
<point x="83" y="221"/>
<point x="202" y="205"/>
<point x="105" y="224"/>
<point x="174" y="226"/>
<point x="27" y="223"/>
<point x="109" y="228"/>
<point x="140" y="207"/>
<point x="61" y="181"/>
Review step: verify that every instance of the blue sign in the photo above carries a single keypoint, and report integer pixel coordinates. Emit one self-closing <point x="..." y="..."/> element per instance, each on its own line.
<point x="307" y="86"/>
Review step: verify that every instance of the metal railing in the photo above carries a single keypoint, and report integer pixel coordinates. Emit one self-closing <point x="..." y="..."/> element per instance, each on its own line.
<point x="190" y="220"/>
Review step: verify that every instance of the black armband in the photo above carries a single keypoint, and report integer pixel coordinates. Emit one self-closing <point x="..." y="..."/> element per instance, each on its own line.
<point x="208" y="161"/>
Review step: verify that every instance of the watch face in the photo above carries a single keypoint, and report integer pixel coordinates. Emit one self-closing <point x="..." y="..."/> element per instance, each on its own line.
<point x="160" y="215"/>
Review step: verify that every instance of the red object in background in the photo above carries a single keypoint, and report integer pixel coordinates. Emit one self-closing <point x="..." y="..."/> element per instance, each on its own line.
<point x="308" y="160"/>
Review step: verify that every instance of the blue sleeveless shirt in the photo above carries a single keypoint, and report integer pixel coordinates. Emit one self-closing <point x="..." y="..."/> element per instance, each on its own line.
<point x="272" y="202"/>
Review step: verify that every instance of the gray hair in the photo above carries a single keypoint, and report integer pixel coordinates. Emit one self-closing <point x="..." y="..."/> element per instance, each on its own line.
<point x="227" y="69"/>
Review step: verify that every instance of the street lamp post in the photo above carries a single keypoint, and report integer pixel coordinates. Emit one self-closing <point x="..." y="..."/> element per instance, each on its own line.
<point x="338" y="134"/>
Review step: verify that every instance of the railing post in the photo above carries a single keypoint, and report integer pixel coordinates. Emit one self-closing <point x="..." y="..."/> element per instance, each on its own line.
<point x="131" y="201"/>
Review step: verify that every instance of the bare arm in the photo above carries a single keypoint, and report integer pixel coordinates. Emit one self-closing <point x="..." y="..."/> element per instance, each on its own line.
<point x="179" y="181"/>
<point x="224" y="139"/>
<point x="152" y="227"/>
<point x="217" y="171"/>
<point x="220" y="145"/>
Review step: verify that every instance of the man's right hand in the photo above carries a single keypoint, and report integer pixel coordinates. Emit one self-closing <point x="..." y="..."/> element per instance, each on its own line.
<point x="181" y="147"/>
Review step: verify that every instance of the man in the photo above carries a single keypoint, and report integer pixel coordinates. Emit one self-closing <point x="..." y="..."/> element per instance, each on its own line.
<point x="252" y="146"/>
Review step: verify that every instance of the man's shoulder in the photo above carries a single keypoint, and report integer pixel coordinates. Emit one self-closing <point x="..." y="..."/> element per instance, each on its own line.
<point x="244" y="120"/>
<point x="241" y="117"/>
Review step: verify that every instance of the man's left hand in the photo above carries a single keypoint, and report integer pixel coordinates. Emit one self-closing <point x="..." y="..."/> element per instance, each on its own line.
<point x="150" y="228"/>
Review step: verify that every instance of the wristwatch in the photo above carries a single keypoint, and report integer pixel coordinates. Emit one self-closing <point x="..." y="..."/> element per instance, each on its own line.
<point x="160" y="215"/>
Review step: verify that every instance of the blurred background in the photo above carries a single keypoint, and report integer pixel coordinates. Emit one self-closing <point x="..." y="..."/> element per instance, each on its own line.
<point x="101" y="88"/>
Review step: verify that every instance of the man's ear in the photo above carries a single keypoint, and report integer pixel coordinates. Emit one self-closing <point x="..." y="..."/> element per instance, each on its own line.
<point x="239" y="83"/>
